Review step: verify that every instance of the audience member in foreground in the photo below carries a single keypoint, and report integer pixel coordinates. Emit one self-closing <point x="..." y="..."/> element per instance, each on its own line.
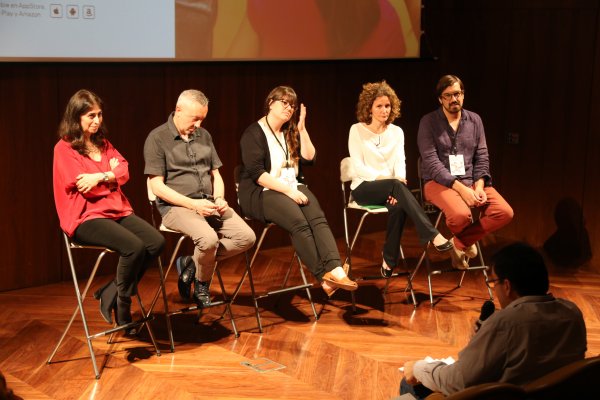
<point x="533" y="334"/>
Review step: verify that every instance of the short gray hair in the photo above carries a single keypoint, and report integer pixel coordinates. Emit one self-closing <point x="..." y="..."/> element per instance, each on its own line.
<point x="193" y="95"/>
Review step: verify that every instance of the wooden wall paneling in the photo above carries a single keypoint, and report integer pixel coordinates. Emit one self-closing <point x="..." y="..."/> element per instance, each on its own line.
<point x="591" y="194"/>
<point x="544" y="108"/>
<point x="29" y="230"/>
<point x="527" y="66"/>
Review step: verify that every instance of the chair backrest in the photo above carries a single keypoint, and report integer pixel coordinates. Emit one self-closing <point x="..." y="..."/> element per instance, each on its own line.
<point x="576" y="380"/>
<point x="486" y="391"/>
<point x="347" y="172"/>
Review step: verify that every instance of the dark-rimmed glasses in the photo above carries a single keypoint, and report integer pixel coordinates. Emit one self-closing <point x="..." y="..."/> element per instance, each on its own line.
<point x="450" y="96"/>
<point x="286" y="104"/>
<point x="493" y="282"/>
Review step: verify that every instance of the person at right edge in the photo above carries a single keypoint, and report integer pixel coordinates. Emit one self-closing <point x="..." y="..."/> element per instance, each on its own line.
<point x="456" y="170"/>
<point x="532" y="335"/>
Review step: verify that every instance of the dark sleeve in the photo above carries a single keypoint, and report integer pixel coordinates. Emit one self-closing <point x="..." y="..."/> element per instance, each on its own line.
<point x="154" y="156"/>
<point x="432" y="167"/>
<point x="481" y="159"/>
<point x="254" y="152"/>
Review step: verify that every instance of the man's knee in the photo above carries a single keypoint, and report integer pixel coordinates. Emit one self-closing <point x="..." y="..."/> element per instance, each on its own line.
<point x="209" y="240"/>
<point x="458" y="218"/>
<point x="245" y="238"/>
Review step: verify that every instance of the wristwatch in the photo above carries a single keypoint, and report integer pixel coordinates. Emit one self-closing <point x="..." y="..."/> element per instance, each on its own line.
<point x="104" y="177"/>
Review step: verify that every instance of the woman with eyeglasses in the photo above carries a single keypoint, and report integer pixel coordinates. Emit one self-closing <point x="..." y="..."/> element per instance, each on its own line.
<point x="272" y="188"/>
<point x="377" y="151"/>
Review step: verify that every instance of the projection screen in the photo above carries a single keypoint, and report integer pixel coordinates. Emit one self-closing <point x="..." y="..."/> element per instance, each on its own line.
<point x="206" y="30"/>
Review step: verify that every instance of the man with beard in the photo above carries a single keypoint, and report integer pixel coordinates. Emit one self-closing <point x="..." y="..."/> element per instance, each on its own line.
<point x="456" y="171"/>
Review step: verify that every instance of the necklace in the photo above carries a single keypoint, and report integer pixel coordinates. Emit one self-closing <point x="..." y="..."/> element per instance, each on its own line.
<point x="378" y="142"/>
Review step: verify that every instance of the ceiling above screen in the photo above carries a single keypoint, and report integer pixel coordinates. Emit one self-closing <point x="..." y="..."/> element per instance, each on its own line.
<point x="206" y="30"/>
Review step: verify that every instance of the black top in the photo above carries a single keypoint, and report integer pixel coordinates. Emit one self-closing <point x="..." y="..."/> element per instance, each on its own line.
<point x="256" y="160"/>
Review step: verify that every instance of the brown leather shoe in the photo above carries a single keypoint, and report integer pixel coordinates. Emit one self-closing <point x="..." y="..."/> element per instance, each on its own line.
<point x="458" y="258"/>
<point x="344" y="283"/>
<point x="471" y="251"/>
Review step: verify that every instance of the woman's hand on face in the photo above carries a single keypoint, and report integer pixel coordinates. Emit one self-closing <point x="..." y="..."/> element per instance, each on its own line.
<point x="302" y="118"/>
<point x="86" y="182"/>
<point x="297" y="196"/>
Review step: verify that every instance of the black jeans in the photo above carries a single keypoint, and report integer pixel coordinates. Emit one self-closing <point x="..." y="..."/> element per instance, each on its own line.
<point x="311" y="236"/>
<point x="377" y="192"/>
<point x="135" y="240"/>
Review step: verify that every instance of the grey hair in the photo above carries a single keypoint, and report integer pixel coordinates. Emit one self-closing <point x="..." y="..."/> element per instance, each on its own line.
<point x="193" y="95"/>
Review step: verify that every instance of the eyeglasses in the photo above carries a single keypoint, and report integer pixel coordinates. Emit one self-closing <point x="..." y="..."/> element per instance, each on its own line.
<point x="493" y="282"/>
<point x="287" y="104"/>
<point x="450" y="96"/>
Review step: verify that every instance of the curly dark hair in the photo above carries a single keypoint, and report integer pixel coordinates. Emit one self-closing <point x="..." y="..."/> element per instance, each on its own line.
<point x="290" y="128"/>
<point x="69" y="128"/>
<point x="370" y="93"/>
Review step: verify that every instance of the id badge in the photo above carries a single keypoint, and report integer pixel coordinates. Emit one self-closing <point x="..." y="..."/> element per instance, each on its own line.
<point x="457" y="164"/>
<point x="288" y="177"/>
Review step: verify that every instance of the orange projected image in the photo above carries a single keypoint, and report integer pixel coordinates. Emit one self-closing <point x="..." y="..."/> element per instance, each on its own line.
<point x="296" y="29"/>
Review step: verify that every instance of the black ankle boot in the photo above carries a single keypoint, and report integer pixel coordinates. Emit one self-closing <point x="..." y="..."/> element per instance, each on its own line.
<point x="107" y="295"/>
<point x="123" y="314"/>
<point x="201" y="293"/>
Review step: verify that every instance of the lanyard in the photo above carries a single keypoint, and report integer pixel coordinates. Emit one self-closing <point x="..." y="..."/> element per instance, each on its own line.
<point x="285" y="151"/>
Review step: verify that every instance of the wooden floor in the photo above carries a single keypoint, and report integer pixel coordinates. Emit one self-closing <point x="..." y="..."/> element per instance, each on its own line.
<point x="344" y="355"/>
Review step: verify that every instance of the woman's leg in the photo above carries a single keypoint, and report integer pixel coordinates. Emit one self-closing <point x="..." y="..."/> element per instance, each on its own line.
<point x="378" y="192"/>
<point x="153" y="240"/>
<point x="412" y="208"/>
<point x="111" y="234"/>
<point x="323" y="237"/>
<point x="284" y="212"/>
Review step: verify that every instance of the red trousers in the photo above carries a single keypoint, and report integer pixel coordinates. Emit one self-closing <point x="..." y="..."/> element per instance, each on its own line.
<point x="493" y="215"/>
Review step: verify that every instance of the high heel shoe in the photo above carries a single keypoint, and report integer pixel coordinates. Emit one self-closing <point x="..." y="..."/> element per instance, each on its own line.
<point x="386" y="271"/>
<point x="107" y="295"/>
<point x="444" y="246"/>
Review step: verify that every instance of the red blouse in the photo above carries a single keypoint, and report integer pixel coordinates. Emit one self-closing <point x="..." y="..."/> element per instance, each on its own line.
<point x="106" y="200"/>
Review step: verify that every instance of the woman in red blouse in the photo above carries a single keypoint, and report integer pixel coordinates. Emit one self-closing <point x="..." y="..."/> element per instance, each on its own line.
<point x="91" y="207"/>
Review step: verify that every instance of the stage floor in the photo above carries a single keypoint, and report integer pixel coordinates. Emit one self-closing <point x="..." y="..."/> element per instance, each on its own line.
<point x="343" y="355"/>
